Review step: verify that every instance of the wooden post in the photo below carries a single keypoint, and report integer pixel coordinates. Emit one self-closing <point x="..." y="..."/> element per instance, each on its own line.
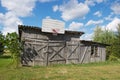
<point x="46" y="54"/>
<point x="81" y="61"/>
<point x="79" y="47"/>
<point x="100" y="53"/>
<point x="34" y="61"/>
<point x="66" y="52"/>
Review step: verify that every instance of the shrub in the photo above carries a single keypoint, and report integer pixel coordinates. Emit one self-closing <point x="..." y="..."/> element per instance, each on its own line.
<point x="113" y="58"/>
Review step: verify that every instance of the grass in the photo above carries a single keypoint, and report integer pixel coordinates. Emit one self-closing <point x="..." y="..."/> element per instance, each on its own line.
<point x="91" y="71"/>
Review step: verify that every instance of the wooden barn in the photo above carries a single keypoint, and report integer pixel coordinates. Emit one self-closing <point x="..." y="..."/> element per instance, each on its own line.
<point x="44" y="48"/>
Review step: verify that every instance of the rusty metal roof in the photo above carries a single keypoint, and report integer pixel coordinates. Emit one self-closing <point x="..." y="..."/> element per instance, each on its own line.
<point x="23" y="27"/>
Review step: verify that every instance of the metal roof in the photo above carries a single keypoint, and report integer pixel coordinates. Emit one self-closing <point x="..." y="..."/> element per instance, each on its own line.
<point x="23" y="27"/>
<point x="93" y="43"/>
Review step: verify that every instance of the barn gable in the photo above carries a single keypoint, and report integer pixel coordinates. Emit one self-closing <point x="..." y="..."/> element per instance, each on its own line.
<point x="35" y="32"/>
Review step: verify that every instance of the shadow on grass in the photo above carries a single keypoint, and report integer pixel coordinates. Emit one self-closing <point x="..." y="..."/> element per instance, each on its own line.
<point x="5" y="56"/>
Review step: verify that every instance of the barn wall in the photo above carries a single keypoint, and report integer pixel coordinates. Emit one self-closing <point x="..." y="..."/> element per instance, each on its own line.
<point x="101" y="54"/>
<point x="37" y="34"/>
<point x="85" y="53"/>
<point x="46" y="49"/>
<point x="47" y="53"/>
<point x="98" y="56"/>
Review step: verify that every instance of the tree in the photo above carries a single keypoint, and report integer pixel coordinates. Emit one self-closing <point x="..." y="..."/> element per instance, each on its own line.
<point x="97" y="34"/>
<point x="109" y="38"/>
<point x="104" y="36"/>
<point x="1" y="43"/>
<point x="14" y="46"/>
<point x="116" y="43"/>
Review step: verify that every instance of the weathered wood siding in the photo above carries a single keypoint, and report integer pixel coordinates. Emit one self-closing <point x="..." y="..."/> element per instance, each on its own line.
<point x="44" y="49"/>
<point x="38" y="34"/>
<point x="85" y="53"/>
<point x="101" y="55"/>
<point x="50" y="52"/>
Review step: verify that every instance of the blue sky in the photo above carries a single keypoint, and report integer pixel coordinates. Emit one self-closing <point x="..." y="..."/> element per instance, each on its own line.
<point x="78" y="15"/>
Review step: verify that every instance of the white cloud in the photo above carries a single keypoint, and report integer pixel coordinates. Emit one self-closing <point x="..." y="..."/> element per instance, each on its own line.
<point x="1" y="18"/>
<point x="109" y="17"/>
<point x="73" y="9"/>
<point x="116" y="8"/>
<point x="93" y="2"/>
<point x="75" y="26"/>
<point x="55" y="8"/>
<point x="15" y="9"/>
<point x="99" y="1"/>
<point x="48" y="17"/>
<point x="92" y="22"/>
<point x="90" y="2"/>
<point x="10" y="22"/>
<point x="87" y="36"/>
<point x="98" y="13"/>
<point x="113" y="24"/>
<point x="43" y="1"/>
<point x="19" y="7"/>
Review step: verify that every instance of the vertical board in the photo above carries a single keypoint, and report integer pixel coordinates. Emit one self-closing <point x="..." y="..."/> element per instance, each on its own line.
<point x="49" y="24"/>
<point x="103" y="54"/>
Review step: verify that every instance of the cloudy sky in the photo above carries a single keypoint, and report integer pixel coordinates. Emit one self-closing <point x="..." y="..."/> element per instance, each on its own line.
<point x="79" y="15"/>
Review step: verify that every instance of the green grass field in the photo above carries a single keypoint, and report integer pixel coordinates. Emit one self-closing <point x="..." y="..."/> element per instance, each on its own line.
<point x="91" y="71"/>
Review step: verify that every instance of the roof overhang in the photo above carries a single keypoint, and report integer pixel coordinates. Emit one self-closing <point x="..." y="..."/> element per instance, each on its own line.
<point x="93" y="43"/>
<point x="24" y="27"/>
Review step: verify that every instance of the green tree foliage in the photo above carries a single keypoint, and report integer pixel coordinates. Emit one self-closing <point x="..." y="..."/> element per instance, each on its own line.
<point x="104" y="36"/>
<point x="1" y="43"/>
<point x="109" y="38"/>
<point x="97" y="34"/>
<point x="116" y="43"/>
<point x="13" y="45"/>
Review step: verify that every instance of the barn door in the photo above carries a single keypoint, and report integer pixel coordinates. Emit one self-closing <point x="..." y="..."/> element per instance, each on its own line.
<point x="85" y="54"/>
<point x="73" y="51"/>
<point x="63" y="52"/>
<point x="34" y="53"/>
<point x="56" y="53"/>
